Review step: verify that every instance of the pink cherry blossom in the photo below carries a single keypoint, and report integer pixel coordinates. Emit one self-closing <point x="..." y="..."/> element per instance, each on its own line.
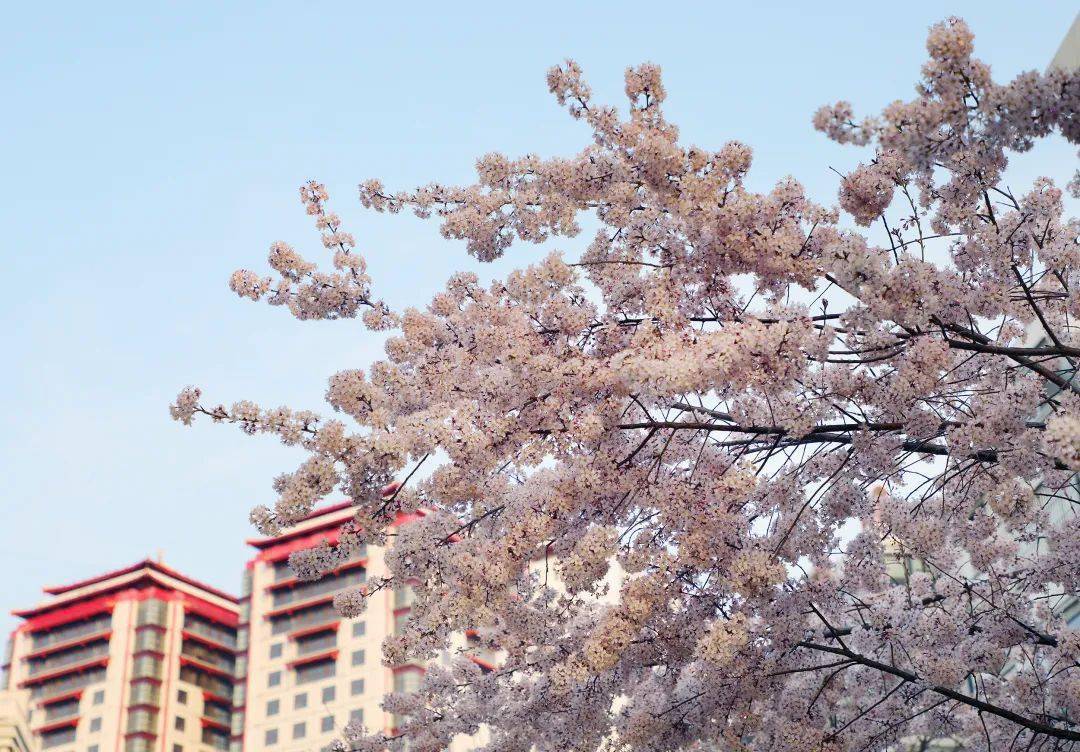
<point x="721" y="474"/>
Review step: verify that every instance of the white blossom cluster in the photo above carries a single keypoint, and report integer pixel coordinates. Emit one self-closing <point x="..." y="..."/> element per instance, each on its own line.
<point x="730" y="476"/>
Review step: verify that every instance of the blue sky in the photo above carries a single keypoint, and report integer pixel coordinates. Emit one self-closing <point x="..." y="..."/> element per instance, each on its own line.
<point x="150" y="149"/>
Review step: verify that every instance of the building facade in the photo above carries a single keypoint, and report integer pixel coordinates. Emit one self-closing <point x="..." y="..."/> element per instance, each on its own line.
<point x="309" y="671"/>
<point x="135" y="660"/>
<point x="146" y="659"/>
<point x="14" y="724"/>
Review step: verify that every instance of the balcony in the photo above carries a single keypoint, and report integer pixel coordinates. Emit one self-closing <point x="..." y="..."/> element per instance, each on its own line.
<point x="72" y="641"/>
<point x="57" y="699"/>
<point x="218" y="660"/>
<point x="212" y="683"/>
<point x="345" y="569"/>
<point x="316" y="643"/>
<point x="52" y="728"/>
<point x="63" y="688"/>
<point x="303" y="616"/>
<point x="215" y="738"/>
<point x="152" y="613"/>
<point x="209" y="641"/>
<point x="195" y="663"/>
<point x="218" y="635"/>
<point x="150" y="641"/>
<point x="282" y="572"/>
<point x="300" y="634"/>
<point x="142" y="722"/>
<point x="216" y="714"/>
<point x="138" y="744"/>
<point x="146" y="667"/>
<point x="145" y="694"/>
<point x="51" y="663"/>
<point x="81" y="666"/>
<point x="42" y="641"/>
<point x="315" y="657"/>
<point x="61" y="710"/>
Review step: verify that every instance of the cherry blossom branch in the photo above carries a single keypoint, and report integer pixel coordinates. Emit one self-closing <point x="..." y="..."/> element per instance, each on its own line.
<point x="913" y="678"/>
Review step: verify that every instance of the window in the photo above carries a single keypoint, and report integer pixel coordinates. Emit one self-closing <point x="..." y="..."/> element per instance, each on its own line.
<point x="316" y="643"/>
<point x="273" y="707"/>
<point x="180" y="723"/>
<point x="181" y="697"/>
<point x="299" y="730"/>
<point x="274" y="679"/>
<point x="356" y="716"/>
<point x="52" y="739"/>
<point x="359" y="628"/>
<point x="358" y="658"/>
<point x="99" y="697"/>
<point x="357" y="687"/>
<point x="95" y="724"/>
<point x="328" y="693"/>
<point x="276" y="649"/>
<point x="327" y="724"/>
<point x="177" y="748"/>
<point x="314" y="671"/>
<point x="407" y="681"/>
<point x="215" y="738"/>
<point x="271" y="736"/>
<point x="400" y="620"/>
<point x="92" y="748"/>
<point x="404" y="597"/>
<point x="300" y="701"/>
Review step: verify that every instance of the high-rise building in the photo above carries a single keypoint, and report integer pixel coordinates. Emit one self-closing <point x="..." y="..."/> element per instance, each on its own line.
<point x="308" y="670"/>
<point x="1067" y="56"/>
<point x="146" y="659"/>
<point x="137" y="660"/>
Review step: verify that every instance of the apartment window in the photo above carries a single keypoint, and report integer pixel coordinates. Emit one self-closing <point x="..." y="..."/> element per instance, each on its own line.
<point x="300" y="701"/>
<point x="314" y="671"/>
<point x="404" y="596"/>
<point x="181" y="696"/>
<point x="357" y="687"/>
<point x="316" y="643"/>
<point x="407" y="681"/>
<point x="95" y="724"/>
<point x="56" y="738"/>
<point x="328" y="693"/>
<point x="358" y="658"/>
<point x="271" y="736"/>
<point x="180" y="723"/>
<point x="273" y="707"/>
<point x="276" y="649"/>
<point x="356" y="716"/>
<point x="299" y="730"/>
<point x="177" y="748"/>
<point x="359" y="628"/>
<point x="274" y="679"/>
<point x="92" y="748"/>
<point x="99" y="697"/>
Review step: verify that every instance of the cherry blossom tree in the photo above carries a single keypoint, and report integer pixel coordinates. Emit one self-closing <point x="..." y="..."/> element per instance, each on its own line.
<point x="830" y="451"/>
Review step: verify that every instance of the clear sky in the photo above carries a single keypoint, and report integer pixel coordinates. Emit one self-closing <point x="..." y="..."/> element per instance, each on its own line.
<point x="151" y="148"/>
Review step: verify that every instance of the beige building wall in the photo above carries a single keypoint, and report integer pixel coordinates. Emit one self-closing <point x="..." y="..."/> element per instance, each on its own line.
<point x="308" y="670"/>
<point x="1068" y="54"/>
<point x="15" y="733"/>
<point x="296" y="639"/>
